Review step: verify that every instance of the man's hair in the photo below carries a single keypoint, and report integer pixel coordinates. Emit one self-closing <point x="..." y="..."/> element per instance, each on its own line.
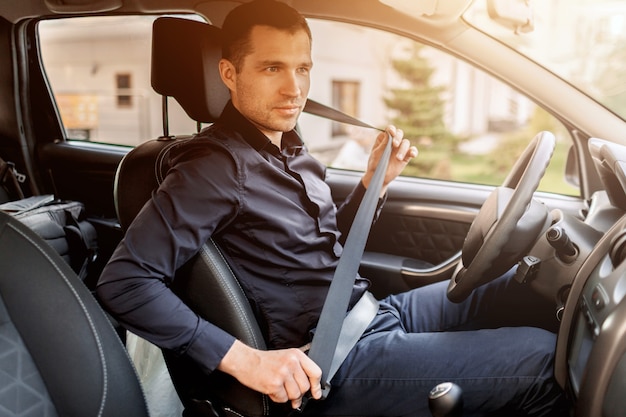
<point x="240" y="21"/>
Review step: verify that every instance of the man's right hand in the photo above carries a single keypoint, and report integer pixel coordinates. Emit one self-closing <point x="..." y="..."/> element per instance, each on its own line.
<point x="284" y="375"/>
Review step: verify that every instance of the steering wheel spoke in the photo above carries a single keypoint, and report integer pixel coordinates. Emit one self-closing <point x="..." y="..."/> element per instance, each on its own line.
<point x="507" y="224"/>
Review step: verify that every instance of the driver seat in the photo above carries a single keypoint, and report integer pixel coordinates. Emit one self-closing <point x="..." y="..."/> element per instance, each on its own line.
<point x="190" y="76"/>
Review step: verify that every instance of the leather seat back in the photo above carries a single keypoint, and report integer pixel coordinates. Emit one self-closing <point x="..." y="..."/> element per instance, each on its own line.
<point x="59" y="354"/>
<point x="206" y="283"/>
<point x="185" y="54"/>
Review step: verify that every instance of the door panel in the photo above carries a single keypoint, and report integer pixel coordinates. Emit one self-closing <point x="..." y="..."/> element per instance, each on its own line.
<point x="85" y="172"/>
<point x="418" y="237"/>
<point x="420" y="232"/>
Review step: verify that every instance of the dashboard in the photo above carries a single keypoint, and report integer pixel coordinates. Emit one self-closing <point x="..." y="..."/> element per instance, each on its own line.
<point x="591" y="348"/>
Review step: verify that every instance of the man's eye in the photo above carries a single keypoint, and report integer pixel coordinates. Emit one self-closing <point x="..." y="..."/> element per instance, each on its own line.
<point x="272" y="69"/>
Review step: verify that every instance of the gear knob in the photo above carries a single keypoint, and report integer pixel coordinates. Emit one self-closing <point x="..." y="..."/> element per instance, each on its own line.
<point x="446" y="400"/>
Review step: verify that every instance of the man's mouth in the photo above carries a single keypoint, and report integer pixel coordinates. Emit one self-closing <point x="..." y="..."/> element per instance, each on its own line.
<point x="289" y="110"/>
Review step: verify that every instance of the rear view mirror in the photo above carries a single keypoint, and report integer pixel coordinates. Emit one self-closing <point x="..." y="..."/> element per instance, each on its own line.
<point x="512" y="14"/>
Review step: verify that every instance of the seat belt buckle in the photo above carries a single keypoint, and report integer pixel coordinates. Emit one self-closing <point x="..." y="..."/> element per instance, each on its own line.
<point x="305" y="399"/>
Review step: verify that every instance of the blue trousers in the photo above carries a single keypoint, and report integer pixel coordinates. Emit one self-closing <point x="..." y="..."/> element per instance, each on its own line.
<point x="498" y="346"/>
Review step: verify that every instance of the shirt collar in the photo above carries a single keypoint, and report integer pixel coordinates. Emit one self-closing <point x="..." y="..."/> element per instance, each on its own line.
<point x="255" y="138"/>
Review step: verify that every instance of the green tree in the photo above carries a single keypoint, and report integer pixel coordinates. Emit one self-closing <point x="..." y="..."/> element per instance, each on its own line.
<point x="419" y="111"/>
<point x="418" y="106"/>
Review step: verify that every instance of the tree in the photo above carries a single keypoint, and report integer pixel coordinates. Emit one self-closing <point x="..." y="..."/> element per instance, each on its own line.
<point x="419" y="111"/>
<point x="418" y="107"/>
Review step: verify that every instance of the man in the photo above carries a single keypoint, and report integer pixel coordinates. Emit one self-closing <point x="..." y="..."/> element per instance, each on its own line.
<point x="249" y="183"/>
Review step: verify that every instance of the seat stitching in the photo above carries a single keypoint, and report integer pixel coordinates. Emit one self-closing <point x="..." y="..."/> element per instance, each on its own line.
<point x="231" y="296"/>
<point x="82" y="305"/>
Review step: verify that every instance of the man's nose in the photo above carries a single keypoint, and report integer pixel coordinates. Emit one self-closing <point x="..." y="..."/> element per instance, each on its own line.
<point x="292" y="84"/>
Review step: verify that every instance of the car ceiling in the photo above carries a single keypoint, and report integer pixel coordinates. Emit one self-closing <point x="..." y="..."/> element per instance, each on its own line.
<point x="437" y="22"/>
<point x="437" y="13"/>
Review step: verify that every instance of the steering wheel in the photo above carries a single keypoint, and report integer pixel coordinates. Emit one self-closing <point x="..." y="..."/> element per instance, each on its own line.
<point x="508" y="222"/>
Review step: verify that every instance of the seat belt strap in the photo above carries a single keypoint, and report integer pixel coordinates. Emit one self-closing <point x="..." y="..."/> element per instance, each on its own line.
<point x="322" y="110"/>
<point x="352" y="329"/>
<point x="329" y="328"/>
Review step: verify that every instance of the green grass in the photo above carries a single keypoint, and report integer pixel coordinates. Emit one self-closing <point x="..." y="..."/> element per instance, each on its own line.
<point x="487" y="169"/>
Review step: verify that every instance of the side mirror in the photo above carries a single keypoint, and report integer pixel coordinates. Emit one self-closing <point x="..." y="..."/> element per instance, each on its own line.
<point x="512" y="14"/>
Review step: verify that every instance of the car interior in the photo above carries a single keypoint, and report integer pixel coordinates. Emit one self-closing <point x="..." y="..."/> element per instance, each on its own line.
<point x="570" y="249"/>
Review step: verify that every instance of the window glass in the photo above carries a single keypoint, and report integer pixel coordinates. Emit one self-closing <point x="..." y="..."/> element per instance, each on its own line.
<point x="124" y="90"/>
<point x="99" y="72"/>
<point x="346" y="99"/>
<point x="468" y="126"/>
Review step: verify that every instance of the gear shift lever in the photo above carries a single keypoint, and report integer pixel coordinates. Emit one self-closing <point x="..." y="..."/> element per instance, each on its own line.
<point x="446" y="400"/>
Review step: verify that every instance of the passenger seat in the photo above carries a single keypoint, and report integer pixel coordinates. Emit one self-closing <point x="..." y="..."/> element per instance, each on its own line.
<point x="59" y="355"/>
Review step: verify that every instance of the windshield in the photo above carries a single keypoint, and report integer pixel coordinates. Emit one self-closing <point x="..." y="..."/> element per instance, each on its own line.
<point x="582" y="41"/>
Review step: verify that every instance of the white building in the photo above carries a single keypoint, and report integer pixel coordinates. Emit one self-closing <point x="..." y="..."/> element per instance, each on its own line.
<point x="102" y="82"/>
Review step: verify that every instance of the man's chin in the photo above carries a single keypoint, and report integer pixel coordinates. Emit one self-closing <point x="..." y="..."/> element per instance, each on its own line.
<point x="288" y="125"/>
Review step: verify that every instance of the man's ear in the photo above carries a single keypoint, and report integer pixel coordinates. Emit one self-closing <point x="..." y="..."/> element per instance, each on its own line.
<point x="228" y="73"/>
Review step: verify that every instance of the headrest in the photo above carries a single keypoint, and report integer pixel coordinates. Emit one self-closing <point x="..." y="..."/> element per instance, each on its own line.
<point x="185" y="56"/>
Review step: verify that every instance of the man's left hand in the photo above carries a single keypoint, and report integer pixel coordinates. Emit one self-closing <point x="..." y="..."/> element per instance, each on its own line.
<point x="401" y="153"/>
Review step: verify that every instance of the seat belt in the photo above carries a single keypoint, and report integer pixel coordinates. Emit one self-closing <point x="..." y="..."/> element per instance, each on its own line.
<point x="322" y="110"/>
<point x="11" y="180"/>
<point x="333" y="338"/>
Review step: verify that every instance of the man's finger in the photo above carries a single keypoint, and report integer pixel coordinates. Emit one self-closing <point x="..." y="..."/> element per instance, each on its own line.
<point x="314" y="374"/>
<point x="403" y="149"/>
<point x="398" y="138"/>
<point x="296" y="404"/>
<point x="296" y="386"/>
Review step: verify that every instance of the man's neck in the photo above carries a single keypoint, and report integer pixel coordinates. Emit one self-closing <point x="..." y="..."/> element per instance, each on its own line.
<point x="276" y="139"/>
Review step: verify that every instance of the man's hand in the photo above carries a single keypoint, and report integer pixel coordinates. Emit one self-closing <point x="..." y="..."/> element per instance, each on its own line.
<point x="401" y="153"/>
<point x="284" y="375"/>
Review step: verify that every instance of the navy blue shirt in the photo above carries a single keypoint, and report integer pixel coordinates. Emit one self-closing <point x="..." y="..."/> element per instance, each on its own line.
<point x="271" y="213"/>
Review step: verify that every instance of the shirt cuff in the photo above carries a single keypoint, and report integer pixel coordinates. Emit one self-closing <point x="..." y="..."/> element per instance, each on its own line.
<point x="209" y="346"/>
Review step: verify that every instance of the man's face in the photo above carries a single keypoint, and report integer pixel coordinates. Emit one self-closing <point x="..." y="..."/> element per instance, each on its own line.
<point x="272" y="84"/>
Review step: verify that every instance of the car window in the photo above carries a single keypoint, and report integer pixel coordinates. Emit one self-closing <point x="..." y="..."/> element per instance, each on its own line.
<point x="468" y="126"/>
<point x="98" y="69"/>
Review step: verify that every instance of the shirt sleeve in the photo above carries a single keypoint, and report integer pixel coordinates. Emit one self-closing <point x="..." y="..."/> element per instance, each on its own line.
<point x="347" y="211"/>
<point x="168" y="231"/>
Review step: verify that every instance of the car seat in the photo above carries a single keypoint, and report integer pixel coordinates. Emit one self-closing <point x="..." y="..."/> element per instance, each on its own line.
<point x="59" y="354"/>
<point x="186" y="74"/>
